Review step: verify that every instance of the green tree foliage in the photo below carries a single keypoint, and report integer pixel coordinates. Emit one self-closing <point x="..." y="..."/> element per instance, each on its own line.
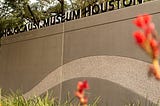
<point x="15" y="13"/>
<point x="76" y="4"/>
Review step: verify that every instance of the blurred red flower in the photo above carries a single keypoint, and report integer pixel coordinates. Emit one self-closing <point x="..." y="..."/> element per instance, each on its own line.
<point x="82" y="85"/>
<point x="80" y="93"/>
<point x="139" y="37"/>
<point x="142" y="20"/>
<point x="147" y="39"/>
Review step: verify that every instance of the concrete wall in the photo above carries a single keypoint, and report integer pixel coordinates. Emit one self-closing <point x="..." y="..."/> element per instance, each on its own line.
<point x="117" y="80"/>
<point x="27" y="58"/>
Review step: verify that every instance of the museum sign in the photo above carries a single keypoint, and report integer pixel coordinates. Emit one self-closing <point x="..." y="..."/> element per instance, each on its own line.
<point x="96" y="8"/>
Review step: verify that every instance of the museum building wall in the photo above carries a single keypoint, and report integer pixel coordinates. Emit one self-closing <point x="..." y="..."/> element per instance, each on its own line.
<point x="99" y="48"/>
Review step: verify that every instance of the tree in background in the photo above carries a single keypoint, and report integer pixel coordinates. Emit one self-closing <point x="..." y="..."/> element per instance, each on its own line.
<point x="15" y="13"/>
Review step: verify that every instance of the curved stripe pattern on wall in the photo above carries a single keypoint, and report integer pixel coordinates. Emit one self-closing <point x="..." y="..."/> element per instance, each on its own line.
<point x="129" y="73"/>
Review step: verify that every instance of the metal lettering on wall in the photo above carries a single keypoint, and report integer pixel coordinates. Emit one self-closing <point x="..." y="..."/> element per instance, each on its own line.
<point x="72" y="15"/>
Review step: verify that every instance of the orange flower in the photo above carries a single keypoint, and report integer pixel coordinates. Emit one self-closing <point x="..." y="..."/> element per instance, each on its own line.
<point x="142" y="20"/>
<point x="82" y="85"/>
<point x="148" y="41"/>
<point x="80" y="93"/>
<point x="155" y="48"/>
<point x="84" y="100"/>
<point x="139" y="37"/>
<point x="149" y="29"/>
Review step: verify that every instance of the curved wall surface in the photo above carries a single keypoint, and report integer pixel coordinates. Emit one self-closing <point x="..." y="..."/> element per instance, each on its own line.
<point x="127" y="79"/>
<point x="27" y="58"/>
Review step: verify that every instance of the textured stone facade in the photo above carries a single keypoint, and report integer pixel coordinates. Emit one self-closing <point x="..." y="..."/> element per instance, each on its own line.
<point x="27" y="58"/>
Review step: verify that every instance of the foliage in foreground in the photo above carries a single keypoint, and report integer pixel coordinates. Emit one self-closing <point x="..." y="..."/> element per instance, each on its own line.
<point x="19" y="100"/>
<point x="16" y="99"/>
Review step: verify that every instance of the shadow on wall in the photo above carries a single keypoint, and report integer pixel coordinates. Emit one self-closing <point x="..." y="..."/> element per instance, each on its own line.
<point x="111" y="94"/>
<point x="113" y="78"/>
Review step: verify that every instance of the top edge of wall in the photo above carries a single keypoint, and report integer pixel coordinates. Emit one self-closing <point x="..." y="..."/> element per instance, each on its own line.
<point x="33" y="34"/>
<point x="127" y="13"/>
